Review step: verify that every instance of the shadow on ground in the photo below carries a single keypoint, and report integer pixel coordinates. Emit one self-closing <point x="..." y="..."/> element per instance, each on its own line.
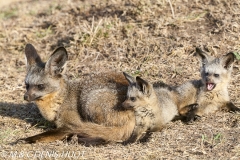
<point x="26" y="111"/>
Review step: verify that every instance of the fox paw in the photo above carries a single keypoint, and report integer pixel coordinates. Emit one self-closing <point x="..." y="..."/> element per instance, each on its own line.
<point x="197" y="118"/>
<point x="193" y="107"/>
<point x="127" y="142"/>
<point x="146" y="138"/>
<point x="192" y="118"/>
<point x="237" y="110"/>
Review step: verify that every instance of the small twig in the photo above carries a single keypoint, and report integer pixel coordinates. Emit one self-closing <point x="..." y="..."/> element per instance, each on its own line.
<point x="94" y="31"/>
<point x="169" y="1"/>
<point x="97" y="57"/>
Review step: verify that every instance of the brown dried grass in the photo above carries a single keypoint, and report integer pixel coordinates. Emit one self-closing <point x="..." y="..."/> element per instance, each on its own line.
<point x="141" y="37"/>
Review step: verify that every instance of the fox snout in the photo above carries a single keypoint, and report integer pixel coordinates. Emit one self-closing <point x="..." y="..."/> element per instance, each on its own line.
<point x="30" y="97"/>
<point x="209" y="80"/>
<point x="26" y="97"/>
<point x="127" y="105"/>
<point x="210" y="85"/>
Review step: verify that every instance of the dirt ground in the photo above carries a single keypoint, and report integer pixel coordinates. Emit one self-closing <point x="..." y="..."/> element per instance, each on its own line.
<point x="154" y="39"/>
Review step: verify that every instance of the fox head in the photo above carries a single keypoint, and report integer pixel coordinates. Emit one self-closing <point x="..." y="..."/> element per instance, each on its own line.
<point x="43" y="78"/>
<point x="139" y="92"/>
<point x="215" y="72"/>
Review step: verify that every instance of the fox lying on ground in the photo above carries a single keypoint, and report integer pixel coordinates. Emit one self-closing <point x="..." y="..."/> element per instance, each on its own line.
<point x="211" y="92"/>
<point x="89" y="108"/>
<point x="154" y="107"/>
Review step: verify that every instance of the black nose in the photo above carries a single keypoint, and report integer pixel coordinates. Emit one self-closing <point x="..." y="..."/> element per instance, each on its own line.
<point x="208" y="79"/>
<point x="26" y="97"/>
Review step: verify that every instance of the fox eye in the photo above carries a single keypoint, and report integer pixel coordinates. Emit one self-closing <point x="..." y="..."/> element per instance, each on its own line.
<point x="27" y="86"/>
<point x="40" y="86"/>
<point x="216" y="75"/>
<point x="133" y="99"/>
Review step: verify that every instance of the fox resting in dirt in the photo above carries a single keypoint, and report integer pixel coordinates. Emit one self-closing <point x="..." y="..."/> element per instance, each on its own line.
<point x="88" y="108"/>
<point x="211" y="92"/>
<point x="154" y="107"/>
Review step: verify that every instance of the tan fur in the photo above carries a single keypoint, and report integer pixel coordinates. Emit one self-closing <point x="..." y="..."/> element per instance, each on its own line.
<point x="114" y="124"/>
<point x="214" y="71"/>
<point x="89" y="108"/>
<point x="48" y="105"/>
<point x="187" y="94"/>
<point x="154" y="107"/>
<point x="49" y="136"/>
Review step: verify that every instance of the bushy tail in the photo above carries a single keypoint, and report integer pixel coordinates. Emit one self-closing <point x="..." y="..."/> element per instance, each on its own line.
<point x="94" y="134"/>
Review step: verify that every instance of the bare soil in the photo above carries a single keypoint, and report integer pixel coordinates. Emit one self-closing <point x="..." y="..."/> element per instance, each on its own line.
<point x="142" y="37"/>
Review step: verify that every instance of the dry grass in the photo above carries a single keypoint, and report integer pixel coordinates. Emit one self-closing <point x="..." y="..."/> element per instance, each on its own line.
<point x="144" y="37"/>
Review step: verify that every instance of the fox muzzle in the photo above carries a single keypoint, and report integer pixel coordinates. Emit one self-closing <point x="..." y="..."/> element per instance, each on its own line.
<point x="26" y="97"/>
<point x="127" y="105"/>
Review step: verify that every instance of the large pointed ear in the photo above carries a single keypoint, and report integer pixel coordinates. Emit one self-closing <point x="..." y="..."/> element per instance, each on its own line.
<point x="202" y="55"/>
<point x="227" y="60"/>
<point x="129" y="78"/>
<point x="56" y="64"/>
<point x="32" y="57"/>
<point x="144" y="86"/>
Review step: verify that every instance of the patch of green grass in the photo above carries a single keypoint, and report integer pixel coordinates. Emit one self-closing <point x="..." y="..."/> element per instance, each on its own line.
<point x="44" y="32"/>
<point x="217" y="138"/>
<point x="5" y="134"/>
<point x="196" y="16"/>
<point x="204" y="138"/>
<point x="1" y="35"/>
<point x="137" y="73"/>
<point x="40" y="123"/>
<point x="58" y="7"/>
<point x="95" y="33"/>
<point x="11" y="13"/>
<point x="32" y="13"/>
<point x="237" y="55"/>
<point x="214" y="140"/>
<point x="44" y="124"/>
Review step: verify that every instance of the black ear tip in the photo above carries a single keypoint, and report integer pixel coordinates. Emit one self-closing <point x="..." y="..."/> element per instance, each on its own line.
<point x="29" y="46"/>
<point x="62" y="50"/>
<point x="30" y="50"/>
<point x="231" y="54"/>
<point x="138" y="78"/>
<point x="198" y="50"/>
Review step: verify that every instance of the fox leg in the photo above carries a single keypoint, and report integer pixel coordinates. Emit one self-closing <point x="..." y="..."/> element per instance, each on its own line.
<point x="146" y="137"/>
<point x="138" y="133"/>
<point x="187" y="113"/>
<point x="231" y="107"/>
<point x="49" y="136"/>
<point x="191" y="113"/>
<point x="185" y="110"/>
